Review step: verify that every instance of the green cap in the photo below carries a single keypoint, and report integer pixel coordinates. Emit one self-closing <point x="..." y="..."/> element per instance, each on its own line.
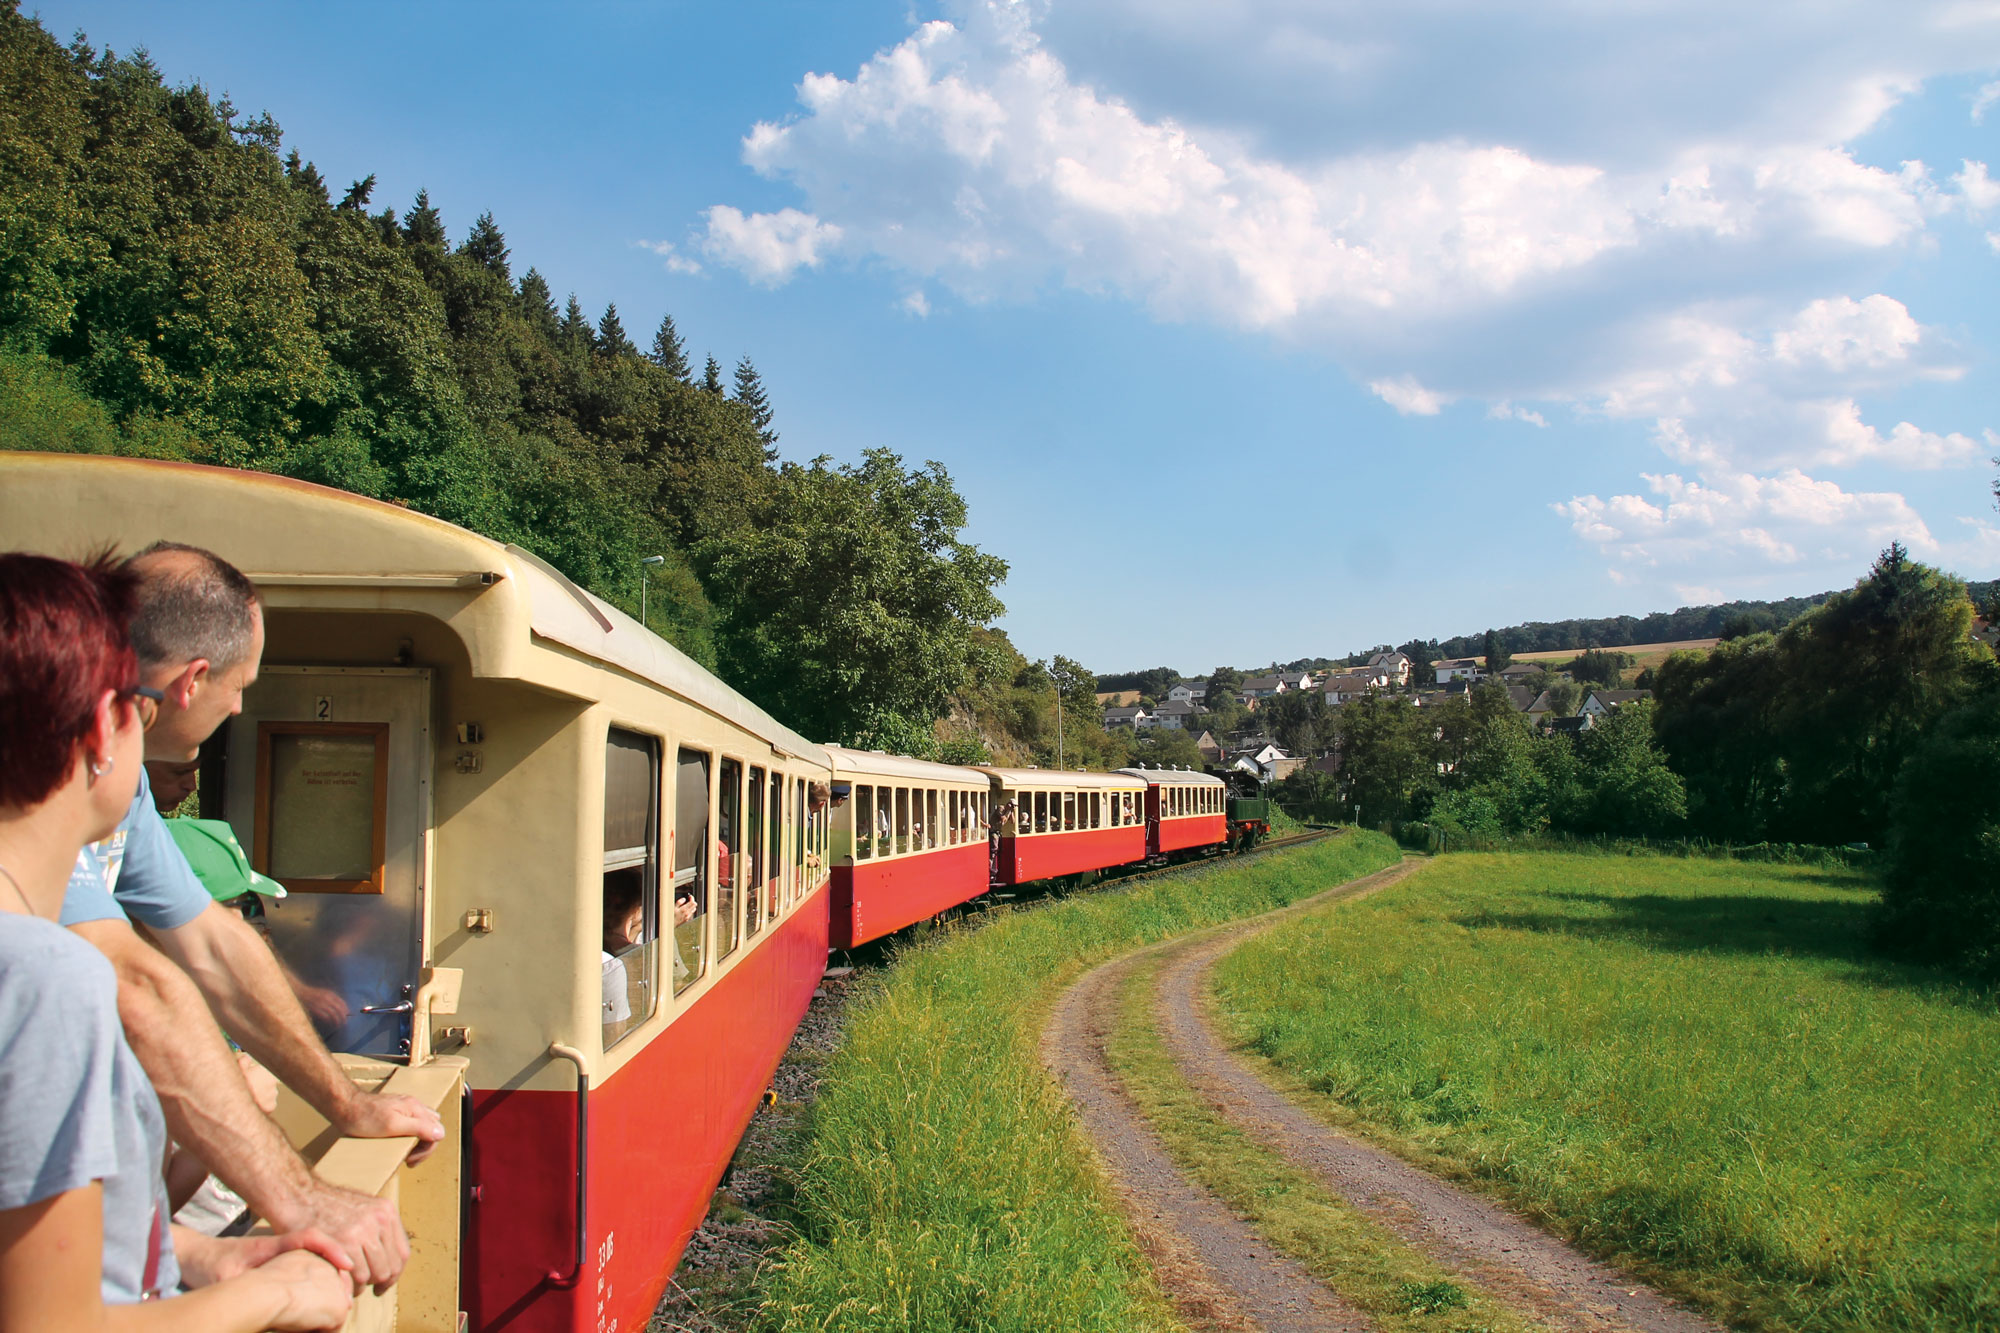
<point x="210" y="846"/>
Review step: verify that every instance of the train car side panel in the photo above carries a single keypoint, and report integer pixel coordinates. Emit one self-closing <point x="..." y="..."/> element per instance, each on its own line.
<point x="877" y="898"/>
<point x="1193" y="831"/>
<point x="1043" y="855"/>
<point x="662" y="1129"/>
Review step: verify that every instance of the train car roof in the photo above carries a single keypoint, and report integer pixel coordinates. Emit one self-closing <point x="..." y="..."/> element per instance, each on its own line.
<point x="1058" y="778"/>
<point x="875" y="764"/>
<point x="1175" y="777"/>
<point x="316" y="547"/>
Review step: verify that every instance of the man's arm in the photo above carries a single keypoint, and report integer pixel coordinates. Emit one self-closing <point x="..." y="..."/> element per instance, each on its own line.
<point x="209" y="1109"/>
<point x="242" y="981"/>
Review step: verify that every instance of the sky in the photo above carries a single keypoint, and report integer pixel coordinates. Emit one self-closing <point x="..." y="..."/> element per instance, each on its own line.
<point x="1253" y="330"/>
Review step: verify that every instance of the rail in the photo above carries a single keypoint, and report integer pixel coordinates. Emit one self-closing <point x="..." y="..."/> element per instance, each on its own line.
<point x="558" y="1051"/>
<point x="428" y="1195"/>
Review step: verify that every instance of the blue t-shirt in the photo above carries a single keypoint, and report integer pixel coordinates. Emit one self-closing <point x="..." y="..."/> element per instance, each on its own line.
<point x="137" y="874"/>
<point x="74" y="1104"/>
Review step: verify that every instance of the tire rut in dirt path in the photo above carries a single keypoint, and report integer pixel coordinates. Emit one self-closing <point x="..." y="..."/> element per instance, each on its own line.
<point x="1219" y="1273"/>
<point x="1513" y="1260"/>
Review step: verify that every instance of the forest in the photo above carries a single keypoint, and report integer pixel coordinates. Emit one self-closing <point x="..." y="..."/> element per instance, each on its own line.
<point x="177" y="283"/>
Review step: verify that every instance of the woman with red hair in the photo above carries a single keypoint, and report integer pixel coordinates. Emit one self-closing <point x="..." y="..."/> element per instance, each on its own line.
<point x="85" y="1240"/>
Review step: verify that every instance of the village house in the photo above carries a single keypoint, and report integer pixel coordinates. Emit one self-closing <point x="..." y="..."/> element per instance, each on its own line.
<point x="1134" y="716"/>
<point x="1269" y="764"/>
<point x="1261" y="687"/>
<point x="1396" y="665"/>
<point x="1187" y="692"/>
<point x="1599" y="702"/>
<point x="1172" y="716"/>
<point x="1518" y="673"/>
<point x="1458" y="668"/>
<point x="1347" y="685"/>
<point x="1211" y="749"/>
<point x="1540" y="707"/>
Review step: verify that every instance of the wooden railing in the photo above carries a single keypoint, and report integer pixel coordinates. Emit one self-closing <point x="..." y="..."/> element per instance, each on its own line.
<point x="428" y="1194"/>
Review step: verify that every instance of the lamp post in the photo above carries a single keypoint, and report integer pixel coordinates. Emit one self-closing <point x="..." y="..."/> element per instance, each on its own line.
<point x="644" y="565"/>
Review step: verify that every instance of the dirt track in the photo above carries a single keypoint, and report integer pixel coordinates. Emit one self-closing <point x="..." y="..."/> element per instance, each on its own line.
<point x="1217" y="1269"/>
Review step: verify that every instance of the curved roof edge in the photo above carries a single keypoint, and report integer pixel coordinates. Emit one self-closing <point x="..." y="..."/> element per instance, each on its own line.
<point x="1175" y="777"/>
<point x="870" y="764"/>
<point x="1058" y="777"/>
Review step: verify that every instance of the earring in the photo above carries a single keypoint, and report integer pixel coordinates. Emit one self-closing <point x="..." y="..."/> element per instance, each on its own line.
<point x="98" y="768"/>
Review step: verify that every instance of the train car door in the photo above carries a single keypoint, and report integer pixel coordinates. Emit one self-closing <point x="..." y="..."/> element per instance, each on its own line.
<point x="327" y="781"/>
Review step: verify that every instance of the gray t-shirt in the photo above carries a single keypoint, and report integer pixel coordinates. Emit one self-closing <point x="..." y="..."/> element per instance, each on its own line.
<point x="74" y="1104"/>
<point x="137" y="873"/>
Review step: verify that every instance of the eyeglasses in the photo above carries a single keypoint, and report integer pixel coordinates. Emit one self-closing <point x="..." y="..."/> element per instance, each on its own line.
<point x="148" y="701"/>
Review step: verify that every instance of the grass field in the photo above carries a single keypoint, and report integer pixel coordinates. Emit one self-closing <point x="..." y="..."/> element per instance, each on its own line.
<point x="1694" y="1066"/>
<point x="946" y="1188"/>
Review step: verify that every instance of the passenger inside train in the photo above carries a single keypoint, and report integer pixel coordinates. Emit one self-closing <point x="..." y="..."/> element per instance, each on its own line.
<point x="624" y="934"/>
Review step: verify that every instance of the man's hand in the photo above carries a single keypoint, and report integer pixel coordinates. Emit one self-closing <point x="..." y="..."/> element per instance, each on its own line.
<point x="206" y="1260"/>
<point x="373" y="1115"/>
<point x="367" y="1232"/>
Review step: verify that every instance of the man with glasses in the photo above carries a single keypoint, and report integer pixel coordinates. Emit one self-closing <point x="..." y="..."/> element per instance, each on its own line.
<point x="199" y="633"/>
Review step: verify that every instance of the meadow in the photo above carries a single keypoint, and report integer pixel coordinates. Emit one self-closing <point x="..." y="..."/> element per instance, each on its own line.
<point x="1694" y="1067"/>
<point x="946" y="1186"/>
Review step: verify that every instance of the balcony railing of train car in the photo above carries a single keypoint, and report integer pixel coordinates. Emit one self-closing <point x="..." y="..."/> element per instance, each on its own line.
<point x="429" y="1195"/>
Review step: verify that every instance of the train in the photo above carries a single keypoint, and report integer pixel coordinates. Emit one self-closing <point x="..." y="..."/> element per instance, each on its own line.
<point x="562" y="882"/>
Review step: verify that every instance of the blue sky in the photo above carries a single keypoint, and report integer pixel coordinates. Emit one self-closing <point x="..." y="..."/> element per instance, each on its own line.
<point x="1254" y="329"/>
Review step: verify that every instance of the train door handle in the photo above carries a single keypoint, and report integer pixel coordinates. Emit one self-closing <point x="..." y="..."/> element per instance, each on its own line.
<point x="401" y="1007"/>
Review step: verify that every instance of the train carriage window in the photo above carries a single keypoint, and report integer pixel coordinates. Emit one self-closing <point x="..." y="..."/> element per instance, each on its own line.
<point x="729" y="861"/>
<point x="753" y="855"/>
<point x="902" y="819"/>
<point x="1041" y="812"/>
<point x="930" y="817"/>
<point x="801" y="822"/>
<point x="1069" y="810"/>
<point x="864" y="823"/>
<point x="885" y="821"/>
<point x="631" y="887"/>
<point x="1097" y="809"/>
<point x="690" y="842"/>
<point x="774" y="860"/>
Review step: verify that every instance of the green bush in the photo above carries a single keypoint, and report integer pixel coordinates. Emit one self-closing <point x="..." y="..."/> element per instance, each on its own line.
<point x="1942" y="896"/>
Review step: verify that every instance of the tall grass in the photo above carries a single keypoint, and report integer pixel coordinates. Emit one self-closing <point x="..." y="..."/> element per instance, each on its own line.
<point x="1694" y="1065"/>
<point x="946" y="1188"/>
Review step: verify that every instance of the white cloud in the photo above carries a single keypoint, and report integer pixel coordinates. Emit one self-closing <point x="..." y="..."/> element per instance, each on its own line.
<point x="1409" y="397"/>
<point x="1506" y="411"/>
<point x="1984" y="99"/>
<point x="1980" y="192"/>
<point x="1525" y="207"/>
<point x="768" y="247"/>
<point x="1788" y="518"/>
<point x="916" y="303"/>
<point x="676" y="262"/>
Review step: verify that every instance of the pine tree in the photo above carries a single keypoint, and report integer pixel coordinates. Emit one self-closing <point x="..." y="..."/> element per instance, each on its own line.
<point x="711" y="377"/>
<point x="538" y="305"/>
<point x="750" y="393"/>
<point x="487" y="247"/>
<point x="422" y="225"/>
<point x="670" y="353"/>
<point x="611" y="339"/>
<point x="356" y="198"/>
<point x="575" y="331"/>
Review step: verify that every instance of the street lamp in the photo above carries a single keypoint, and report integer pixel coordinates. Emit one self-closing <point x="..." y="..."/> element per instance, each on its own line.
<point x="644" y="565"/>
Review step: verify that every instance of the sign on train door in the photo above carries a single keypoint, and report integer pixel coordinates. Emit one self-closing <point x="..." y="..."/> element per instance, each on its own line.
<point x="327" y="775"/>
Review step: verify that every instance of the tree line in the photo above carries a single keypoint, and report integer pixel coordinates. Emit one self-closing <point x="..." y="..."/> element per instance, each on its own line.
<point x="175" y="283"/>
<point x="1871" y="719"/>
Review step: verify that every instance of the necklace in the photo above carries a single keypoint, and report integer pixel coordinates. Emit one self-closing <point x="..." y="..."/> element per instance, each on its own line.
<point x="19" y="892"/>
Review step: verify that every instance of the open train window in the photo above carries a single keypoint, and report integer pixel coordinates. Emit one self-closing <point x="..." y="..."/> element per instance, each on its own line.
<point x="753" y="854"/>
<point x="1041" y="812"/>
<point x="801" y="828"/>
<point x="691" y="838"/>
<point x="631" y="888"/>
<point x="729" y="861"/>
<point x="774" y="849"/>
<point x="930" y="817"/>
<point x="864" y="823"/>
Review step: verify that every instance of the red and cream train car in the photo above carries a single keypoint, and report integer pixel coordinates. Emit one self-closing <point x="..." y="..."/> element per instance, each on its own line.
<point x="463" y="766"/>
<point x="1185" y="810"/>
<point x="909" y="842"/>
<point x="1051" y="823"/>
